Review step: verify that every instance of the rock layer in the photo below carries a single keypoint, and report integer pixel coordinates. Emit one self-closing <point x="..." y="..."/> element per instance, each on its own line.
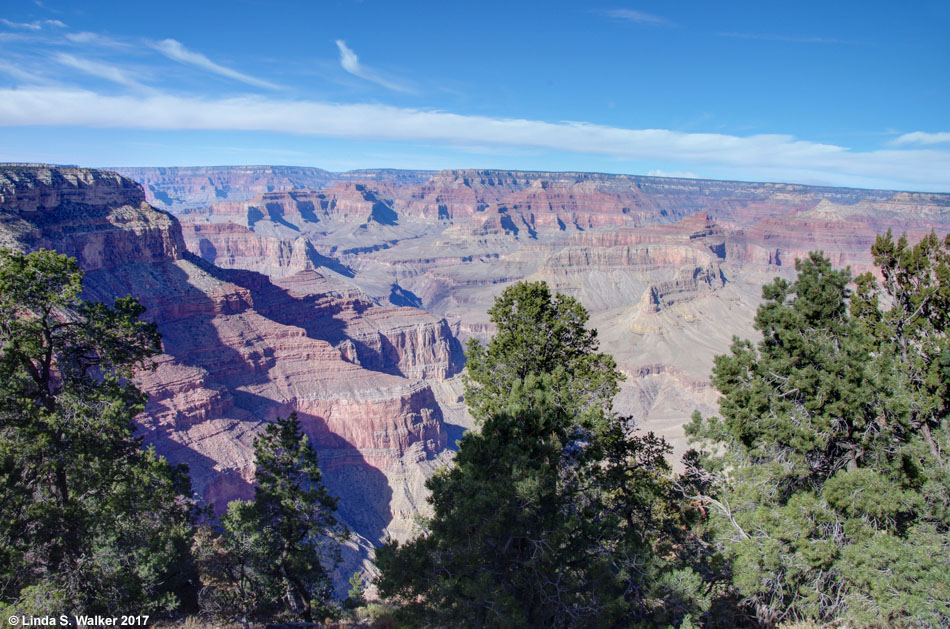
<point x="669" y="268"/>
<point x="240" y="350"/>
<point x="184" y="188"/>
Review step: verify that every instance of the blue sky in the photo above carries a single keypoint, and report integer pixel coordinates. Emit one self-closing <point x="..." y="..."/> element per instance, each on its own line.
<point x="840" y="93"/>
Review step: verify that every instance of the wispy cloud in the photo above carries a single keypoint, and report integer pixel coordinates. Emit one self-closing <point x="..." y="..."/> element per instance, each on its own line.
<point x="24" y="38"/>
<point x="33" y="26"/>
<point x="780" y="156"/>
<point x="922" y="138"/>
<point x="98" y="69"/>
<point x="796" y="39"/>
<point x="95" y="39"/>
<point x="638" y="17"/>
<point x="174" y="49"/>
<point x="351" y="63"/>
<point x="18" y="73"/>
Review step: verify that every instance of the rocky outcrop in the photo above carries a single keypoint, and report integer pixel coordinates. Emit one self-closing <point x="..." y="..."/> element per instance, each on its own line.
<point x="292" y="290"/>
<point x="845" y="233"/>
<point x="685" y="284"/>
<point x="660" y="264"/>
<point x="301" y="211"/>
<point x="240" y="350"/>
<point x="38" y="187"/>
<point x="405" y="341"/>
<point x="233" y="246"/>
<point x="181" y="188"/>
<point x="590" y="200"/>
<point x="97" y="217"/>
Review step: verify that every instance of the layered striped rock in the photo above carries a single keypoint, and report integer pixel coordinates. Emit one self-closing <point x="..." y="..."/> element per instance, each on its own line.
<point x="669" y="268"/>
<point x="240" y="350"/>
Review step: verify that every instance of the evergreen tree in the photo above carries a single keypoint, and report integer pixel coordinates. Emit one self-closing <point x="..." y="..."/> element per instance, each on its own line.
<point x="899" y="566"/>
<point x="553" y="514"/>
<point x="237" y="582"/>
<point x="280" y="546"/>
<point x="90" y="522"/>
<point x="539" y="334"/>
<point x="823" y="476"/>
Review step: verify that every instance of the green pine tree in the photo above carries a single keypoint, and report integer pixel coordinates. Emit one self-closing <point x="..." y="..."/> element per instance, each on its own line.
<point x="540" y="335"/>
<point x="282" y="546"/>
<point x="90" y="521"/>
<point x="554" y="513"/>
<point x="237" y="583"/>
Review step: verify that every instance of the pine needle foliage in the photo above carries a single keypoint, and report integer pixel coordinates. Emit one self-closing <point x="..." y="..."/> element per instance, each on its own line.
<point x="91" y="522"/>
<point x="554" y="513"/>
<point x="274" y="554"/>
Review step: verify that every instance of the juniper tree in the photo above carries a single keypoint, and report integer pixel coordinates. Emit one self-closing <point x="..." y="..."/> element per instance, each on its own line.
<point x="823" y="475"/>
<point x="281" y="546"/>
<point x="540" y="334"/>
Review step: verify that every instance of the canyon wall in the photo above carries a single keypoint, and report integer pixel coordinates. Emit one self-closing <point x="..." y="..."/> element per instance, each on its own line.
<point x="181" y="188"/>
<point x="670" y="269"/>
<point x="240" y="349"/>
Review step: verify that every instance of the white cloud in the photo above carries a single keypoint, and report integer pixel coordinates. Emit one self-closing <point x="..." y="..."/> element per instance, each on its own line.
<point x="780" y="157"/>
<point x="85" y="37"/>
<point x="639" y="17"/>
<point x="19" y="73"/>
<point x="174" y="49"/>
<point x="98" y="69"/>
<point x="351" y="63"/>
<point x="33" y="26"/>
<point x="922" y="137"/>
<point x="348" y="58"/>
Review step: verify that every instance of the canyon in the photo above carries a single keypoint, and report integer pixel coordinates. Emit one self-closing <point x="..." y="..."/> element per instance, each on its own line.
<point x="347" y="297"/>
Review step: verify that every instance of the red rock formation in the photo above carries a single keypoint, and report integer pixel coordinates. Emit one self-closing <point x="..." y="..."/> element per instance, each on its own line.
<point x="845" y="233"/>
<point x="669" y="268"/>
<point x="233" y="246"/>
<point x="302" y="211"/>
<point x="240" y="350"/>
<point x="285" y="298"/>
<point x="187" y="187"/>
<point x="604" y="200"/>
<point x="102" y="219"/>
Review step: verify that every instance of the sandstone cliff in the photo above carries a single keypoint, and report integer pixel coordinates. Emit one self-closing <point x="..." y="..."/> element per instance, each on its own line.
<point x="240" y="350"/>
<point x="291" y="289"/>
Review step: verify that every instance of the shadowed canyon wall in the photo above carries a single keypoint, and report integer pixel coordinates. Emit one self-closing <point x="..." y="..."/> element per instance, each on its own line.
<point x="240" y="350"/>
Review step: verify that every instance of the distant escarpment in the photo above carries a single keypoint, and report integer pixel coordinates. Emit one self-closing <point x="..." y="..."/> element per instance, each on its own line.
<point x="180" y="188"/>
<point x="241" y="349"/>
<point x="343" y="296"/>
<point x="669" y="268"/>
